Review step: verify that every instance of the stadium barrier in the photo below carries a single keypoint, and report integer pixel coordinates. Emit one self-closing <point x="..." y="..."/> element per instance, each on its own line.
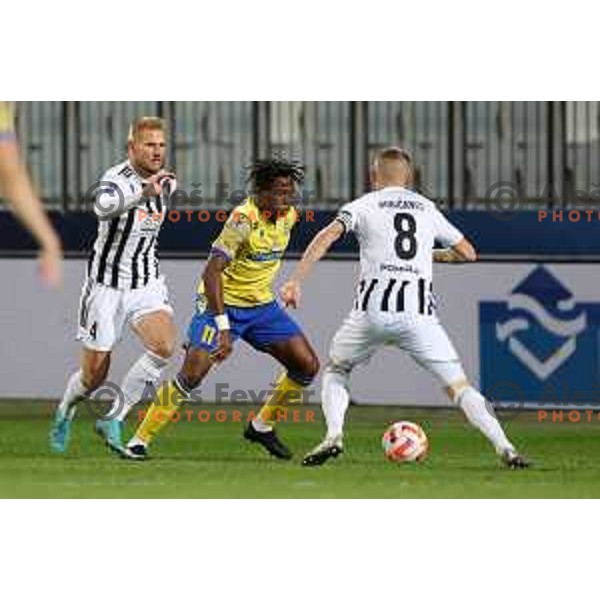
<point x="498" y="235"/>
<point x="527" y="333"/>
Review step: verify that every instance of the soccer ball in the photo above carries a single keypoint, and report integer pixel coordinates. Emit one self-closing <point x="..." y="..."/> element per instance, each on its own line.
<point x="405" y="442"/>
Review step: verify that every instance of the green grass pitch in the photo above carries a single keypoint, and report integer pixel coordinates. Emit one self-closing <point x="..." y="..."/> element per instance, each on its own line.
<point x="211" y="460"/>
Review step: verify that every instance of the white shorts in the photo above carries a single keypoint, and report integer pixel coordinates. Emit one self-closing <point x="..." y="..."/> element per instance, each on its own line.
<point x="104" y="311"/>
<point x="426" y="342"/>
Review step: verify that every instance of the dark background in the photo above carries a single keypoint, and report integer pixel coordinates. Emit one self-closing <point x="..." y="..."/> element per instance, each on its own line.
<point x="535" y="155"/>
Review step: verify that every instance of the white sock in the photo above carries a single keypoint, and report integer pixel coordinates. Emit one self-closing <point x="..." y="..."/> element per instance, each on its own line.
<point x="481" y="414"/>
<point x="335" y="401"/>
<point x="74" y="393"/>
<point x="261" y="426"/>
<point x="146" y="370"/>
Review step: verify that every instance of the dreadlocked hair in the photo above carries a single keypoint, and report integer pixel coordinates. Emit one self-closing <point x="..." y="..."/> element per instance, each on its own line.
<point x="263" y="173"/>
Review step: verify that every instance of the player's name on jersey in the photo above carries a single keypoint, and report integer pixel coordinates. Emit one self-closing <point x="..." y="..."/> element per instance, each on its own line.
<point x="402" y="204"/>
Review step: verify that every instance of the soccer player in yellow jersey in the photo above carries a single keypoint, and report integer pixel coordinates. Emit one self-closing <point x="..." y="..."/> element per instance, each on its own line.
<point x="16" y="188"/>
<point x="235" y="299"/>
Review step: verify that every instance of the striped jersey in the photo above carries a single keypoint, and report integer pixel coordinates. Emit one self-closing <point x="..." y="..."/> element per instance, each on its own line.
<point x="124" y="255"/>
<point x="396" y="230"/>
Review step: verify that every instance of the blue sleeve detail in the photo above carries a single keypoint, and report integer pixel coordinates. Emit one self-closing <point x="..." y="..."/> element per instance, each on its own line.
<point x="220" y="253"/>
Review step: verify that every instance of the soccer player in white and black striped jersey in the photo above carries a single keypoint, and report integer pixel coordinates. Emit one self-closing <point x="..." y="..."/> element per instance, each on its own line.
<point x="396" y="230"/>
<point x="123" y="284"/>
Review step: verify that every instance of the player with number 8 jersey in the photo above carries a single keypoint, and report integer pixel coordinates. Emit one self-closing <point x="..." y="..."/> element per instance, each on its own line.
<point x="396" y="229"/>
<point x="395" y="260"/>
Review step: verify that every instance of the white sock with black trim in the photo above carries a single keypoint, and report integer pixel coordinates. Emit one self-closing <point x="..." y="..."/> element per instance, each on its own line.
<point x="74" y="392"/>
<point x="141" y="381"/>
<point x="480" y="414"/>
<point x="335" y="401"/>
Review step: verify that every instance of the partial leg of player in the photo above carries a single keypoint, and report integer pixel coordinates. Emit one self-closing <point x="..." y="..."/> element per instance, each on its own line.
<point x="335" y="402"/>
<point x="328" y="448"/>
<point x="481" y="415"/>
<point x="354" y="343"/>
<point x="269" y="440"/>
<point x="99" y="327"/>
<point x="94" y="368"/>
<point x="302" y="365"/>
<point x="158" y="334"/>
<point x="196" y="367"/>
<point x="60" y="432"/>
<point x="430" y="346"/>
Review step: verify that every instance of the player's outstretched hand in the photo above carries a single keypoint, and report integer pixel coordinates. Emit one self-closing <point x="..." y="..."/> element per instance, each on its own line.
<point x="154" y="187"/>
<point x="50" y="267"/>
<point x="290" y="293"/>
<point x="224" y="348"/>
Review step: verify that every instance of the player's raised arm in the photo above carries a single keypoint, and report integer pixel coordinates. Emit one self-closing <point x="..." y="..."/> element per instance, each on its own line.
<point x="457" y="249"/>
<point x="213" y="288"/>
<point x="213" y="283"/>
<point x="290" y="291"/>
<point x="16" y="187"/>
<point x="235" y="232"/>
<point x="465" y="250"/>
<point x="459" y="253"/>
<point x="111" y="200"/>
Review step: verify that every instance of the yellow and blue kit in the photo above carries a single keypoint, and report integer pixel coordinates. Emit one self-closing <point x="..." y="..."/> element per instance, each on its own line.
<point x="7" y="121"/>
<point x="253" y="247"/>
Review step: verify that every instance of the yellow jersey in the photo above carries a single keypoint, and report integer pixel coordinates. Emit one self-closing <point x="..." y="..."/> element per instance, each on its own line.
<point x="7" y="120"/>
<point x="253" y="246"/>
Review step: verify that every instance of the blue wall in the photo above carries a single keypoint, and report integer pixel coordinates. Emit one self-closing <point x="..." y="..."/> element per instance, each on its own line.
<point x="510" y="234"/>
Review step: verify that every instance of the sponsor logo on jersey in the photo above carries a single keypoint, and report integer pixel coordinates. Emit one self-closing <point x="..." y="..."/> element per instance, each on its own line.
<point x="274" y="254"/>
<point x="399" y="268"/>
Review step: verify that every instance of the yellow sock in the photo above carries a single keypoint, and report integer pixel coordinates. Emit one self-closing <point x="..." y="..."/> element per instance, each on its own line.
<point x="168" y="400"/>
<point x="286" y="392"/>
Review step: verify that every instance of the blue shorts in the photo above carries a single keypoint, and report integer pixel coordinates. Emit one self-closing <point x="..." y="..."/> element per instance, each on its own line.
<point x="259" y="326"/>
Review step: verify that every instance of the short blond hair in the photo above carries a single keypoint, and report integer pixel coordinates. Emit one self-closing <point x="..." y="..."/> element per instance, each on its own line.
<point x="393" y="159"/>
<point x="146" y="124"/>
<point x="394" y="153"/>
